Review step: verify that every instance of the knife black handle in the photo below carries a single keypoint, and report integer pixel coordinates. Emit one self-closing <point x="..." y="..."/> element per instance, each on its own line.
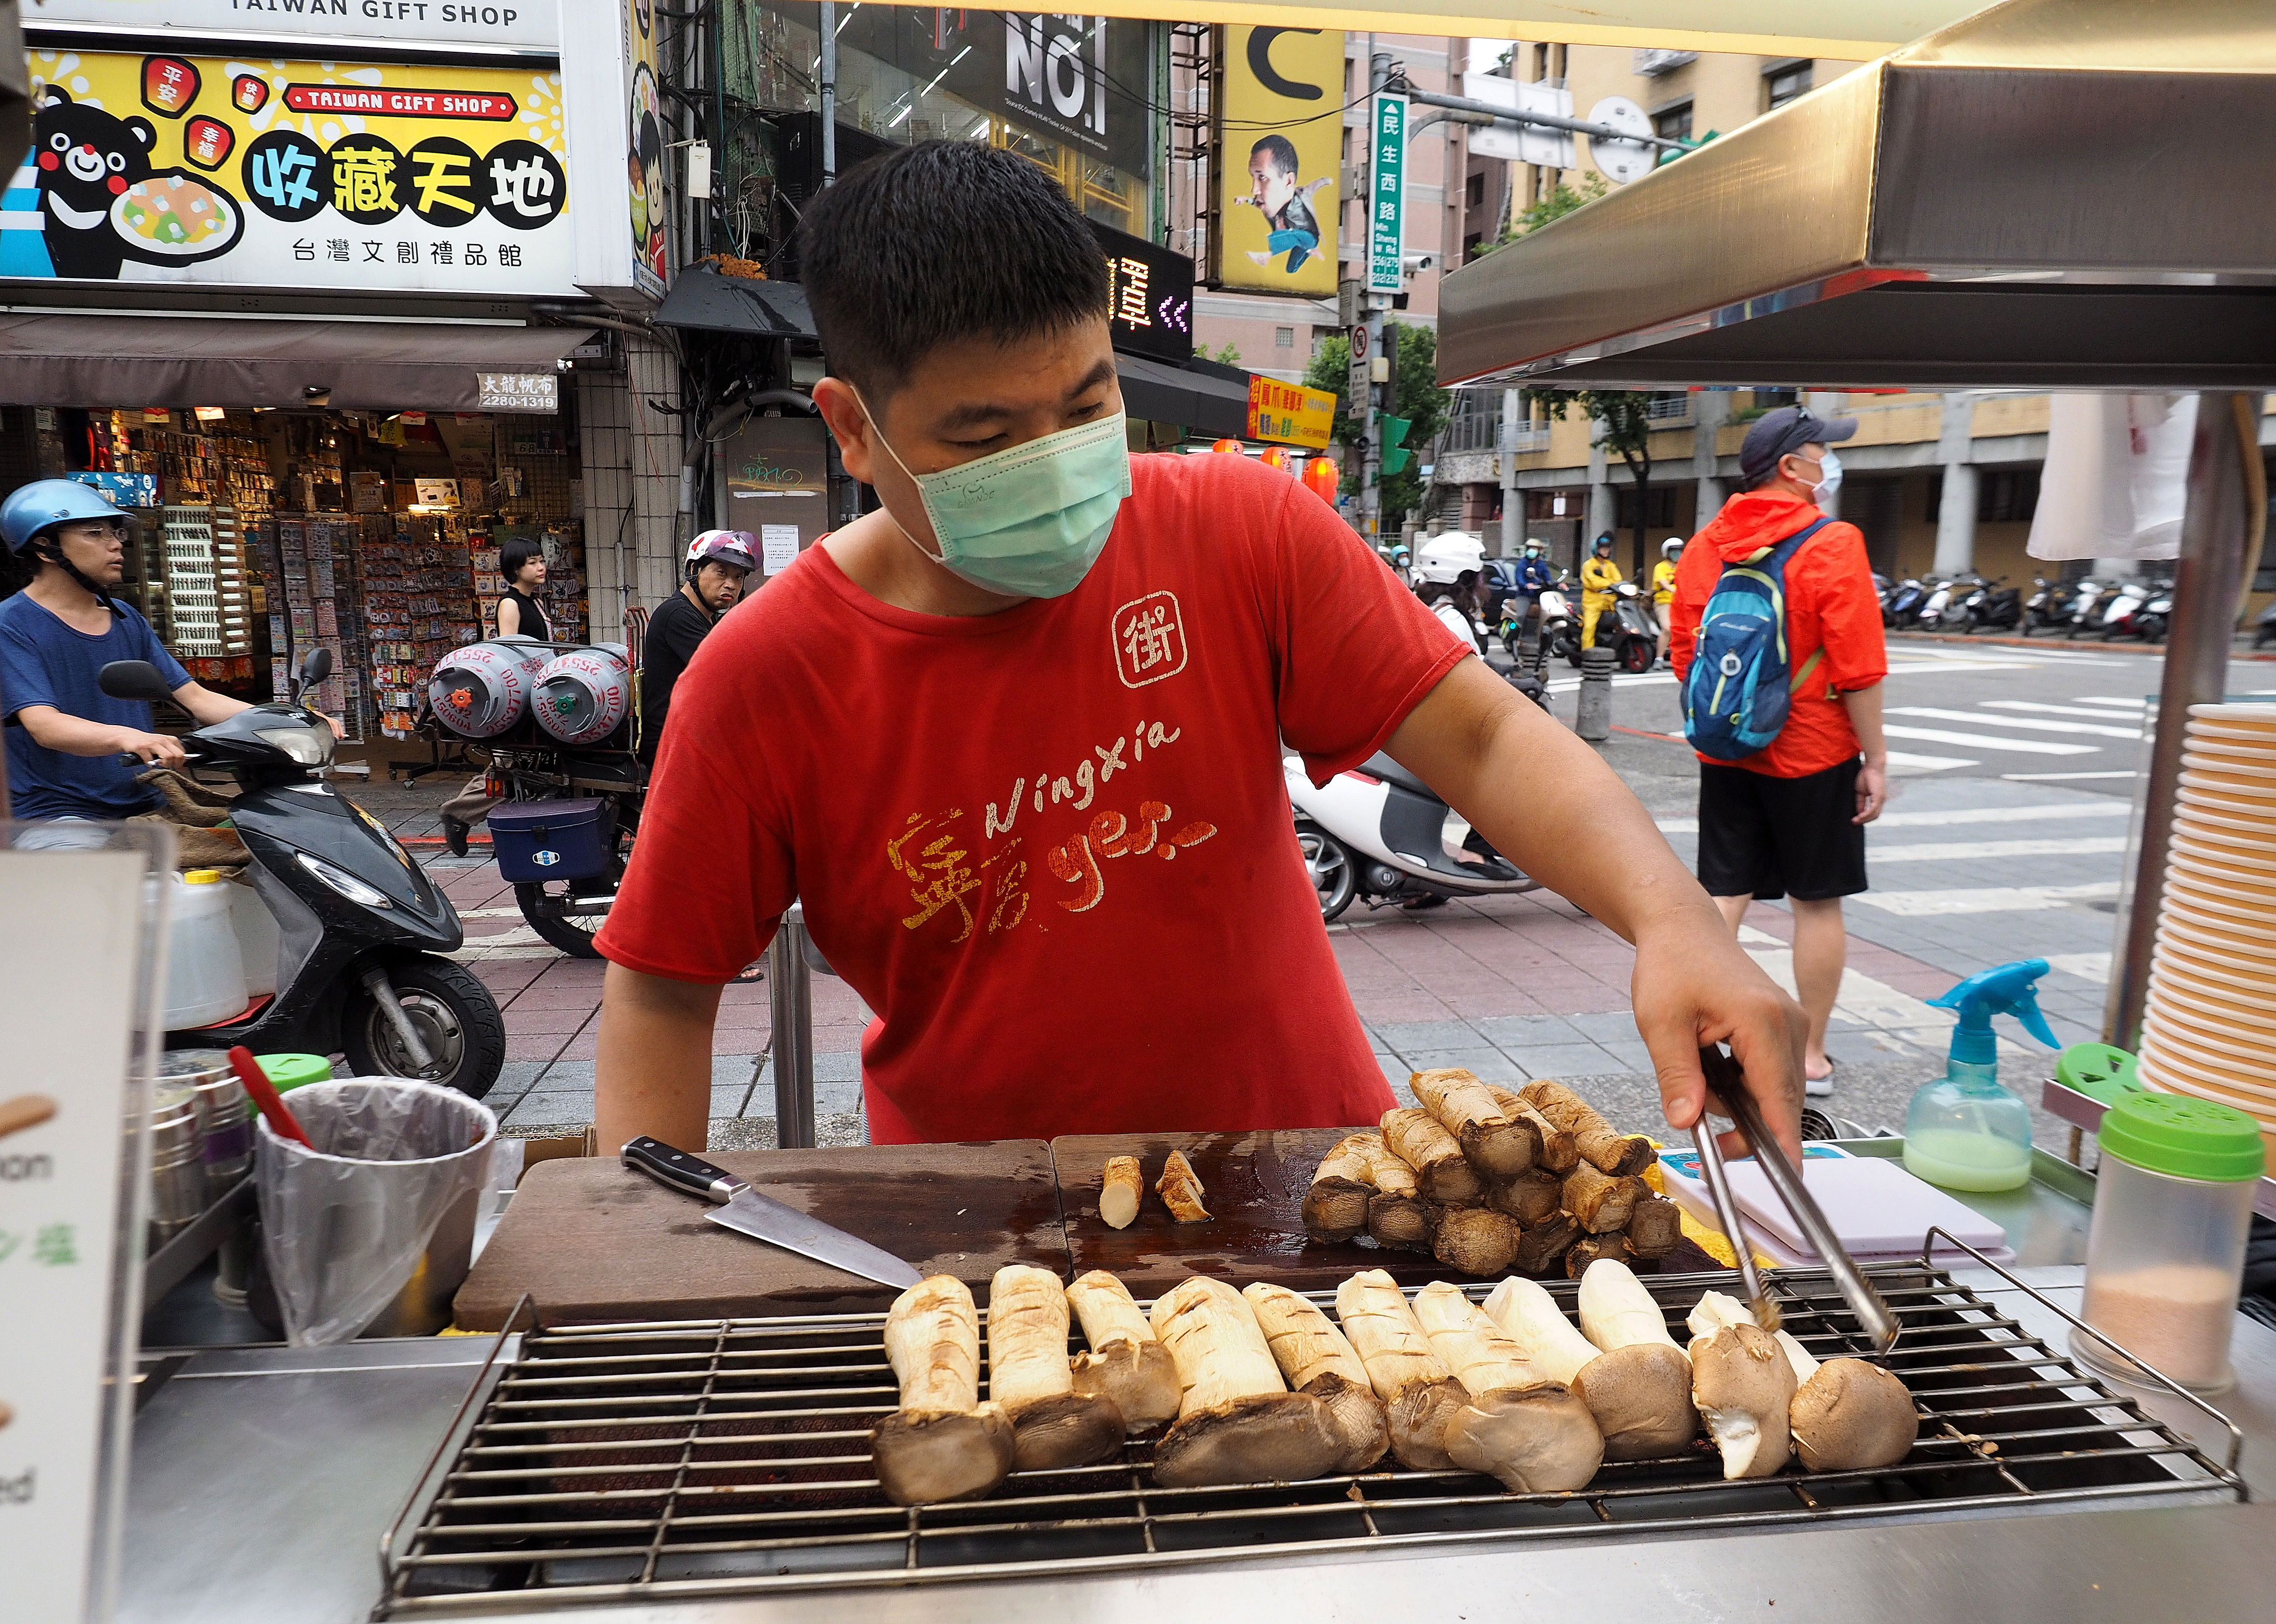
<point x="680" y="1170"/>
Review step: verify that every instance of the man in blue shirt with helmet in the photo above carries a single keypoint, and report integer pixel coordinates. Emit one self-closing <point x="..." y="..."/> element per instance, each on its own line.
<point x="66" y="739"/>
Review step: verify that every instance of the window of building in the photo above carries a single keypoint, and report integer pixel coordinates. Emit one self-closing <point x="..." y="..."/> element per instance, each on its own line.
<point x="1669" y="405"/>
<point x="2007" y="495"/>
<point x="1658" y="513"/>
<point x="1672" y="124"/>
<point x="1787" y="80"/>
<point x="1473" y="192"/>
<point x="1283" y="338"/>
<point x="1771" y="399"/>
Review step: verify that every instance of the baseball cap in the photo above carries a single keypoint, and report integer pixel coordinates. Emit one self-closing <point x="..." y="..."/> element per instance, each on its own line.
<point x="1789" y="429"/>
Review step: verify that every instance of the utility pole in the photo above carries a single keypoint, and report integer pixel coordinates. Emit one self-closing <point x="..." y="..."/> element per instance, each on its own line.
<point x="1513" y="516"/>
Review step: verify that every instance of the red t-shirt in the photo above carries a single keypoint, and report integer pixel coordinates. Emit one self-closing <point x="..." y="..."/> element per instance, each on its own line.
<point x="1051" y="847"/>
<point x="1830" y="606"/>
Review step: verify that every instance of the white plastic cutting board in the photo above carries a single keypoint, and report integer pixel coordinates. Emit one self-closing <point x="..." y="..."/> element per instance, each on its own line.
<point x="1873" y="1203"/>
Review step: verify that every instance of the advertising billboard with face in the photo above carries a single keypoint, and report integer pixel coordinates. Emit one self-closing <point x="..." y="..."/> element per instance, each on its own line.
<point x="290" y="174"/>
<point x="1279" y="142"/>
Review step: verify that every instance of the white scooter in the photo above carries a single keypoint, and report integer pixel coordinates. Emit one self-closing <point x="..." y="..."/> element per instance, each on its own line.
<point x="1378" y="833"/>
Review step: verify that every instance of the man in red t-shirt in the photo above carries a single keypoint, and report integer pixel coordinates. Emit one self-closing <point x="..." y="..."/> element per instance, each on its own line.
<point x="1790" y="819"/>
<point x="1015" y="738"/>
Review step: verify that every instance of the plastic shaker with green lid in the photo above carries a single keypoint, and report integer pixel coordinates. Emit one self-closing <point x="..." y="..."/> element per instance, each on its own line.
<point x="289" y="1072"/>
<point x="2173" y="1210"/>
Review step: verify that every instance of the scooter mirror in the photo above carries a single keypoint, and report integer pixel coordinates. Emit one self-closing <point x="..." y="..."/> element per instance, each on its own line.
<point x="132" y="679"/>
<point x="317" y="667"/>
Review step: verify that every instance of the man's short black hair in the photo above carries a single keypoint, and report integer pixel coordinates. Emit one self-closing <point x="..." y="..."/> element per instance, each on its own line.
<point x="514" y="554"/>
<point x="941" y="241"/>
<point x="1281" y="149"/>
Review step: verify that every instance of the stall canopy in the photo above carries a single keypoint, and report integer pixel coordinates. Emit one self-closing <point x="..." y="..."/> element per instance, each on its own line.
<point x="1849" y="28"/>
<point x="2067" y="192"/>
<point x="1204" y="397"/>
<point x="703" y="300"/>
<point x="172" y="360"/>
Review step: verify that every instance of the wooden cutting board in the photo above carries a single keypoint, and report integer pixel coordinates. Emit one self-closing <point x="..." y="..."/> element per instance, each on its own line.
<point x="1255" y="1184"/>
<point x="593" y="1242"/>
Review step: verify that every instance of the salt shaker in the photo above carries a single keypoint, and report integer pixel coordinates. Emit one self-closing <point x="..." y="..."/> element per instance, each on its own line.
<point x="2164" y="1258"/>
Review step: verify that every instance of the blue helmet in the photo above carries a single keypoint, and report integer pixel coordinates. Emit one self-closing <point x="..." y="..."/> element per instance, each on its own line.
<point x="33" y="508"/>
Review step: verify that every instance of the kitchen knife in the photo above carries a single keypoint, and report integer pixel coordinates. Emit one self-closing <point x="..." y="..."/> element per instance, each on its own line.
<point x="745" y="1211"/>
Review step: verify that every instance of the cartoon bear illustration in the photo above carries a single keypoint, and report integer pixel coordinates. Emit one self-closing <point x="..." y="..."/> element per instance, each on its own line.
<point x="86" y="159"/>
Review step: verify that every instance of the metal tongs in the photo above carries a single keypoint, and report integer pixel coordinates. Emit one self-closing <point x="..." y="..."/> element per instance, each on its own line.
<point x="1727" y="1090"/>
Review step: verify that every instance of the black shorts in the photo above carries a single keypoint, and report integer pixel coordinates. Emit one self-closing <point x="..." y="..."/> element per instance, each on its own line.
<point x="1766" y="837"/>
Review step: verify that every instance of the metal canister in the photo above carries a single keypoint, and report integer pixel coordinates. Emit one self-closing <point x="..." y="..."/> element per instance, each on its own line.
<point x="225" y="1146"/>
<point x="225" y="1114"/>
<point x="177" y="1171"/>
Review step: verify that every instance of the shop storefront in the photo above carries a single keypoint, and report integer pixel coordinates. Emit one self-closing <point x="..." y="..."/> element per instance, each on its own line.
<point x="280" y="308"/>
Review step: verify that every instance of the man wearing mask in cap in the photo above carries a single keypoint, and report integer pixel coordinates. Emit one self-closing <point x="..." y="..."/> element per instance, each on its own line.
<point x="1013" y="739"/>
<point x="1790" y="821"/>
<point x="1534" y="578"/>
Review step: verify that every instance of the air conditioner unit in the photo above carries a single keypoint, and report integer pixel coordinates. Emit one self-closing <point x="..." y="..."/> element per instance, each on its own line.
<point x="1651" y="64"/>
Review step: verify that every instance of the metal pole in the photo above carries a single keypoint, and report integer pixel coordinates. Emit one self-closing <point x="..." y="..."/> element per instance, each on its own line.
<point x="2207" y="588"/>
<point x="790" y="1000"/>
<point x="828" y="92"/>
<point x="1549" y="121"/>
<point x="1513" y="518"/>
<point x="1370" y="475"/>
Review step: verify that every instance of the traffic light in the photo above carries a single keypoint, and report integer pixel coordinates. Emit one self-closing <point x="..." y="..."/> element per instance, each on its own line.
<point x="1395" y="456"/>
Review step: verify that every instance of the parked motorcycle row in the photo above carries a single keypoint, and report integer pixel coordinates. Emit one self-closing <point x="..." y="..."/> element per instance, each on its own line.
<point x="2108" y="609"/>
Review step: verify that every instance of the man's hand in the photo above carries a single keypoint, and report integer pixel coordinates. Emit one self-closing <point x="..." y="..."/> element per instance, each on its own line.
<point x="1693" y="987"/>
<point x="1872" y="789"/>
<point x="1550" y="804"/>
<point x="152" y="749"/>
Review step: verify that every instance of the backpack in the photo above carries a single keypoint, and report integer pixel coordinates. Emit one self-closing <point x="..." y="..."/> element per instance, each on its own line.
<point x="1737" y="694"/>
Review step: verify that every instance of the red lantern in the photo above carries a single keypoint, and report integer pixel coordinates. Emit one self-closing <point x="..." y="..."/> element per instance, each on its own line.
<point x="169" y="85"/>
<point x="1227" y="446"/>
<point x="206" y="142"/>
<point x="1322" y="476"/>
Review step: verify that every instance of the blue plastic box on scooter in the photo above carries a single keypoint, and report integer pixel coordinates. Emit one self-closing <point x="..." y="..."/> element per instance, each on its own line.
<point x="536" y="840"/>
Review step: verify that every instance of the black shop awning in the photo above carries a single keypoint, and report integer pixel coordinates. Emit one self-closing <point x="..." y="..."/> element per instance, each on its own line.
<point x="174" y="360"/>
<point x="1203" y="398"/>
<point x="702" y="299"/>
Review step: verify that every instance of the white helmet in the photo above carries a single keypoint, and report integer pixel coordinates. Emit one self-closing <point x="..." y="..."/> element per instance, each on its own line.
<point x="1671" y="548"/>
<point x="728" y="547"/>
<point x="1441" y="560"/>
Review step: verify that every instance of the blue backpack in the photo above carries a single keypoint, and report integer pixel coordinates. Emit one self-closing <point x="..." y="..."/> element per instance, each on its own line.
<point x="1737" y="694"/>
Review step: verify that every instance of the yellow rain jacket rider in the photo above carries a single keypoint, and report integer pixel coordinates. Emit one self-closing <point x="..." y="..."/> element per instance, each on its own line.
<point x="1598" y="576"/>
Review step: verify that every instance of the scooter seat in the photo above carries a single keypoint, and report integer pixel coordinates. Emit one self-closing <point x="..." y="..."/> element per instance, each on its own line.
<point x="1381" y="766"/>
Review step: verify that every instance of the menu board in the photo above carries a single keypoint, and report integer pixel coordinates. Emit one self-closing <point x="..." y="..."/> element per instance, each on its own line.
<point x="72" y="941"/>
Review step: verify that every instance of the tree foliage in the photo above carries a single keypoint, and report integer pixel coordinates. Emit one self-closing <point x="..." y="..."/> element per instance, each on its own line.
<point x="1555" y="205"/>
<point x="1419" y="399"/>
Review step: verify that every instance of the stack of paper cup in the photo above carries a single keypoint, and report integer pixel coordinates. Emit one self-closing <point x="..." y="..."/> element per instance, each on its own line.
<point x="2210" y="1025"/>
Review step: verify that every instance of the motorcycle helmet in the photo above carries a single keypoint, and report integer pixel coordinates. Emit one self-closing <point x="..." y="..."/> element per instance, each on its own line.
<point x="1533" y="547"/>
<point x="31" y="511"/>
<point x="1603" y="543"/>
<point x="729" y="547"/>
<point x="1671" y="548"/>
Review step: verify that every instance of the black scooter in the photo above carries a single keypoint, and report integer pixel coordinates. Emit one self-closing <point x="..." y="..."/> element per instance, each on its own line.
<point x="359" y="969"/>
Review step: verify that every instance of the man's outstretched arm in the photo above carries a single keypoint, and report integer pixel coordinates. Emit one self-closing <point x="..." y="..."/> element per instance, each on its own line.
<point x="1550" y="804"/>
<point x="652" y="1068"/>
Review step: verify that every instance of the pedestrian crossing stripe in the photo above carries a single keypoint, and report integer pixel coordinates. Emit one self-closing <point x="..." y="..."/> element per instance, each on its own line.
<point x="2029" y="723"/>
<point x="1984" y="742"/>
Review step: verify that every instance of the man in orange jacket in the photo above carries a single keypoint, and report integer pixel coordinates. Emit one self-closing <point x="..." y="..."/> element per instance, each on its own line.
<point x="1790" y="821"/>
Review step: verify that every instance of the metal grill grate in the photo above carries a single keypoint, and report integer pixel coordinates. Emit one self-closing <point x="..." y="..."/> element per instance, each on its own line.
<point x="731" y="1458"/>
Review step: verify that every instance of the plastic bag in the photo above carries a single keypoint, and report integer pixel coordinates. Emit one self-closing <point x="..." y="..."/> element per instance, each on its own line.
<point x="2116" y="478"/>
<point x="344" y="1225"/>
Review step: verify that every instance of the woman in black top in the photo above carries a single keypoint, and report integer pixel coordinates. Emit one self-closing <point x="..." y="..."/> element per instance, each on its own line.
<point x="522" y="565"/>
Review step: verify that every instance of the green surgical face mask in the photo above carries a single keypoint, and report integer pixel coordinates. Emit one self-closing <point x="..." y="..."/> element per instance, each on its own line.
<point x="1030" y="521"/>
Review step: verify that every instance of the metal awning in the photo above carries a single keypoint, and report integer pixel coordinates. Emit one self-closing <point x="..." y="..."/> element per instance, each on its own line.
<point x="1203" y="397"/>
<point x="171" y="359"/>
<point x="2052" y="194"/>
<point x="703" y="300"/>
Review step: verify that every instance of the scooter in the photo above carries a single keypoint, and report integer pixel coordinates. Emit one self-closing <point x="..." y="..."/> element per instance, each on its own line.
<point x="2157" y="614"/>
<point x="1560" y="629"/>
<point x="1994" y="606"/>
<point x="1936" y="608"/>
<point x="1904" y="602"/>
<point x="2084" y="600"/>
<point x="2263" y="629"/>
<point x="1377" y="834"/>
<point x="2049" y="605"/>
<point x="1635" y="639"/>
<point x="359" y="969"/>
<point x="2122" y="611"/>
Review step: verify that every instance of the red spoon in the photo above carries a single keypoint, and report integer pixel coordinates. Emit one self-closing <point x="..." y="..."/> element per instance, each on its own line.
<point x="281" y="1120"/>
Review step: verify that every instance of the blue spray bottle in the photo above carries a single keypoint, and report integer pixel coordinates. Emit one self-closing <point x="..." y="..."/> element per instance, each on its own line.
<point x="1964" y="1131"/>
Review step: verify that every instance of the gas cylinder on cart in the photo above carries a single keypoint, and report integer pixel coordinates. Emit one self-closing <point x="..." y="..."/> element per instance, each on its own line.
<point x="583" y="696"/>
<point x="483" y="689"/>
